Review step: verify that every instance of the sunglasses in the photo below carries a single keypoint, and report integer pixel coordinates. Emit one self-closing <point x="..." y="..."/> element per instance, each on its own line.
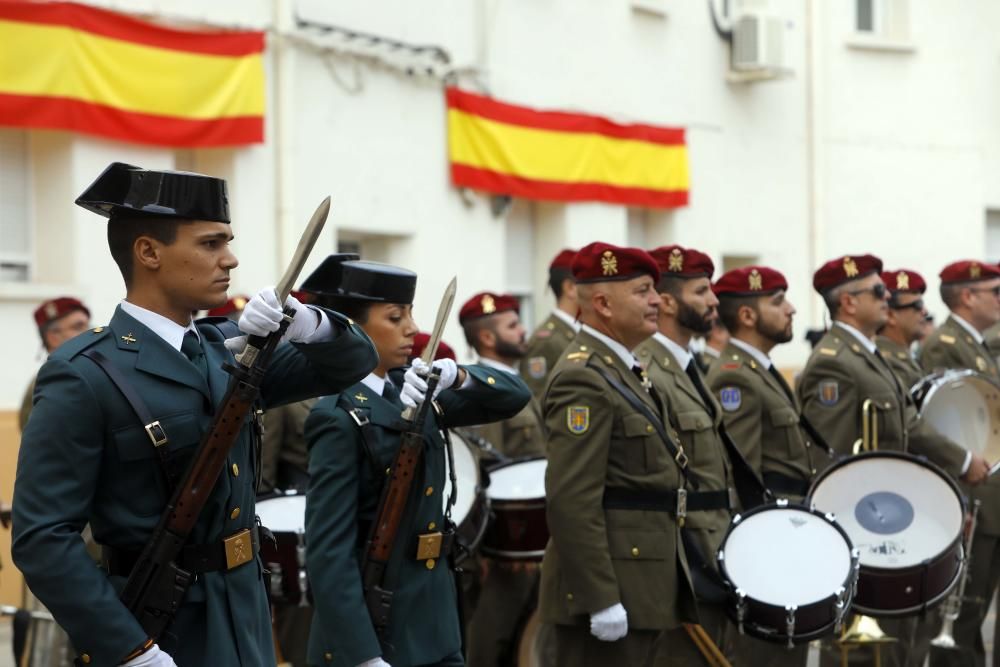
<point x="917" y="305"/>
<point x="878" y="291"/>
<point x="994" y="290"/>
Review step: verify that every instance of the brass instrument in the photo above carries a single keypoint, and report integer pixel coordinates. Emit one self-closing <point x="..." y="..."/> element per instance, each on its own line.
<point x="952" y="606"/>
<point x="868" y="442"/>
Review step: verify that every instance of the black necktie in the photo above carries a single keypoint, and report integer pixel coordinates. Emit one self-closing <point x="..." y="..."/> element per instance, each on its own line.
<point x="780" y="379"/>
<point x="888" y="369"/>
<point x="699" y="384"/>
<point x="191" y="348"/>
<point x="643" y="378"/>
<point x="389" y="393"/>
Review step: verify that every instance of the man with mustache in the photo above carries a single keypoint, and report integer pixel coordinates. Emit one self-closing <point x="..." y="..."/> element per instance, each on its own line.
<point x="904" y="324"/>
<point x="508" y="590"/>
<point x="688" y="308"/>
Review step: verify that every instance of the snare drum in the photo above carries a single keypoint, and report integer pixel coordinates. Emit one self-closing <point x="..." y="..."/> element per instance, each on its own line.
<point x="517" y="528"/>
<point x="905" y="517"/>
<point x="790" y="572"/>
<point x="285" y="516"/>
<point x="472" y="508"/>
<point x="964" y="406"/>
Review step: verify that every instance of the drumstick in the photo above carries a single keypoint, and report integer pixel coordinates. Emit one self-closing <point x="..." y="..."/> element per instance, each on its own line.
<point x="713" y="655"/>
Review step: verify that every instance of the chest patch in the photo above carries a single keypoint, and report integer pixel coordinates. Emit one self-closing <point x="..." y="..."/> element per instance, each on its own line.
<point x="829" y="392"/>
<point x="731" y="398"/>
<point x="578" y="419"/>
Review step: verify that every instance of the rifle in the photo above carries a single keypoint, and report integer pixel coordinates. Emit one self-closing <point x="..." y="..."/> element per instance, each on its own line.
<point x="156" y="586"/>
<point x="392" y="503"/>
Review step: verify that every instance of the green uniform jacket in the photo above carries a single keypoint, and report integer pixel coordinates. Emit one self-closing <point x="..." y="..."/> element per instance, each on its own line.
<point x="342" y="501"/>
<point x="763" y="419"/>
<point x="951" y="346"/>
<point x="992" y="336"/>
<point x="85" y="457"/>
<point x="284" y="455"/>
<point x="545" y="346"/>
<point x="521" y="435"/>
<point x="900" y="361"/>
<point x="698" y="432"/>
<point x="839" y="376"/>
<point x="597" y="557"/>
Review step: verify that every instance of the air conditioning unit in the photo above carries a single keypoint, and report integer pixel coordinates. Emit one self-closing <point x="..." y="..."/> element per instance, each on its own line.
<point x="758" y="43"/>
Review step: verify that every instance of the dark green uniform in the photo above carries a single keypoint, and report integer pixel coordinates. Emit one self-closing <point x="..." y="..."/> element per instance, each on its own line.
<point x="85" y="457"/>
<point x="697" y="426"/>
<point x="342" y="502"/>
<point x="599" y="556"/>
<point x="900" y="361"/>
<point x="545" y="347"/>
<point x="952" y="346"/>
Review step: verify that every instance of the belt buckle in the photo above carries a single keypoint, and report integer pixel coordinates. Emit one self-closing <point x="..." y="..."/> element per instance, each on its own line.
<point x="239" y="548"/>
<point x="429" y="545"/>
<point x="732" y="498"/>
<point x="359" y="419"/>
<point x="682" y="506"/>
<point x="156" y="433"/>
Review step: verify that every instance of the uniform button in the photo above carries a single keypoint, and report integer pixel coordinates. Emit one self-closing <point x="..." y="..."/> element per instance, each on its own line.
<point x="431" y="526"/>
<point x="429" y="491"/>
<point x="85" y="658"/>
<point x="649" y="428"/>
<point x="583" y="348"/>
<point x="490" y="380"/>
<point x="388" y="471"/>
<point x="235" y="513"/>
<point x="328" y="656"/>
<point x="635" y="552"/>
<point x="236" y="470"/>
<point x="430" y="563"/>
<point x="569" y="596"/>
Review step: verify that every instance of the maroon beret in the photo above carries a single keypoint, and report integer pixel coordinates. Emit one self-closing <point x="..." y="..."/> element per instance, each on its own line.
<point x="904" y="280"/>
<point x="968" y="271"/>
<point x="674" y="260"/>
<point x="564" y="260"/>
<point x="602" y="262"/>
<point x="487" y="303"/>
<point x="235" y="304"/>
<point x="420" y="341"/>
<point x="844" y="269"/>
<point x="53" y="309"/>
<point x="750" y="281"/>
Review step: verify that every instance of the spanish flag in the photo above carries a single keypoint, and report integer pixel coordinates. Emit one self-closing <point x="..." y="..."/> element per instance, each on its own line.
<point x="547" y="155"/>
<point x="71" y="67"/>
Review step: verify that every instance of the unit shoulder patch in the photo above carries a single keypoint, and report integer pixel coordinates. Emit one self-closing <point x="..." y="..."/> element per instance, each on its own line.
<point x="828" y="392"/>
<point x="731" y="398"/>
<point x="578" y="419"/>
<point x="537" y="366"/>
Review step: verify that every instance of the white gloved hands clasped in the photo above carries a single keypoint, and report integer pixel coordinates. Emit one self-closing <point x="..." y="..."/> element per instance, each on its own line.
<point x="263" y="314"/>
<point x="415" y="382"/>
<point x="154" y="657"/>
<point x="609" y="624"/>
<point x="374" y="662"/>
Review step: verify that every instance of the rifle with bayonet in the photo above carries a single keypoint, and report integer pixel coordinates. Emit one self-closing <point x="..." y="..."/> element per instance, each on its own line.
<point x="392" y="502"/>
<point x="157" y="585"/>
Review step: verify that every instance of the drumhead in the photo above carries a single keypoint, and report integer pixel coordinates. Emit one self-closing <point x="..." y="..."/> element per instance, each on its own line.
<point x="467" y="477"/>
<point x="283" y="514"/>
<point x="965" y="406"/>
<point x="786" y="556"/>
<point x="521" y="480"/>
<point x="898" y="510"/>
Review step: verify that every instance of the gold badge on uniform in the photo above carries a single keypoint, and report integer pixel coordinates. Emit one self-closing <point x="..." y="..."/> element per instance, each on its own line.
<point x="975" y="271"/>
<point x="609" y="263"/>
<point x="902" y="280"/>
<point x="578" y="418"/>
<point x="489" y="306"/>
<point x="756" y="280"/>
<point x="850" y="268"/>
<point x="981" y="364"/>
<point x="676" y="260"/>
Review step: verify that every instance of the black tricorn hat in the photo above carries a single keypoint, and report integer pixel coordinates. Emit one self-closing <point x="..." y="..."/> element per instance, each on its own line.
<point x="374" y="281"/>
<point x="170" y="194"/>
<point x="326" y="278"/>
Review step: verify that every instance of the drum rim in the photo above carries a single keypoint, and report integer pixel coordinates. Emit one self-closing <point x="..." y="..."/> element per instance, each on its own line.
<point x="938" y="381"/>
<point x="909" y="611"/>
<point x="513" y="462"/>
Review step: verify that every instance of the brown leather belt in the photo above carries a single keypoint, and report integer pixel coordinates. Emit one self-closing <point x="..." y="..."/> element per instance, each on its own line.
<point x="226" y="554"/>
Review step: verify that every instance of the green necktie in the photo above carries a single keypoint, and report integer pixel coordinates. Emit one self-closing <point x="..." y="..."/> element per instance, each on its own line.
<point x="191" y="348"/>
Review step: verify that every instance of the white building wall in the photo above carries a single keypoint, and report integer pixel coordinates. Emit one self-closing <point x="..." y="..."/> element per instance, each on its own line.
<point x="890" y="151"/>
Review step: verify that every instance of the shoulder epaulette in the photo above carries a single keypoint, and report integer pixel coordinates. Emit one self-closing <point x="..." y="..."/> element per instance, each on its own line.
<point x="828" y="351"/>
<point x="74" y="346"/>
<point x="945" y="338"/>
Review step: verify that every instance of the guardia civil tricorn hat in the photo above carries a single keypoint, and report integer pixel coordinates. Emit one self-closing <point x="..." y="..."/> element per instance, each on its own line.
<point x="124" y="188"/>
<point x="325" y="280"/>
<point x="374" y="281"/>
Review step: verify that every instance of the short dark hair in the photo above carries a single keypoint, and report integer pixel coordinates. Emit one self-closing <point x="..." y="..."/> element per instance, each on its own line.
<point x="472" y="329"/>
<point x="672" y="285"/>
<point x="556" y="278"/>
<point x="951" y="294"/>
<point x="831" y="298"/>
<point x="356" y="309"/>
<point x="125" y="228"/>
<point x="729" y="309"/>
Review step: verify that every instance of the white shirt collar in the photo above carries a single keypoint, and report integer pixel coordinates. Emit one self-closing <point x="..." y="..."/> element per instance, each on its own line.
<point x="163" y="327"/>
<point x="375" y="383"/>
<point x="493" y="363"/>
<point x="976" y="336"/>
<point x="712" y="352"/>
<point x="681" y="354"/>
<point x="863" y="339"/>
<point x="623" y="352"/>
<point x="564" y="316"/>
<point x="761" y="358"/>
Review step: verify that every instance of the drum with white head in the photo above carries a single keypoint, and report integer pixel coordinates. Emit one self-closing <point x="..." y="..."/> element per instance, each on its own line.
<point x="905" y="517"/>
<point x="284" y="515"/>
<point x="472" y="507"/>
<point x="964" y="406"/>
<point x="517" y="529"/>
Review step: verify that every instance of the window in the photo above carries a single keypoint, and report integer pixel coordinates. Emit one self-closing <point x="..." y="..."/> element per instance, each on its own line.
<point x="520" y="258"/>
<point x="881" y="24"/>
<point x="15" y="219"/>
<point x="730" y="262"/>
<point x="865" y="17"/>
<point x="993" y="235"/>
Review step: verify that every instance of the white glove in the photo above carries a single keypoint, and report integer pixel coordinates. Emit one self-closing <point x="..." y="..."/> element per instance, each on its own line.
<point x="415" y="386"/>
<point x="154" y="657"/>
<point x="374" y="662"/>
<point x="609" y="624"/>
<point x="263" y="314"/>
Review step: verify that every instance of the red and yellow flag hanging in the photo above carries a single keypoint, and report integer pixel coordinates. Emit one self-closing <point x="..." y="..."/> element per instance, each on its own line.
<point x="548" y="155"/>
<point x="72" y="67"/>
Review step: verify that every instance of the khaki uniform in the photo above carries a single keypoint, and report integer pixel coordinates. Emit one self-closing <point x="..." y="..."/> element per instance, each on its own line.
<point x="599" y="556"/>
<point x="25" y="412"/>
<point x="992" y="336"/>
<point x="697" y="426"/>
<point x="284" y="452"/>
<point x="951" y="346"/>
<point x="900" y="361"/>
<point x="545" y="347"/>
<point x="521" y="435"/>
